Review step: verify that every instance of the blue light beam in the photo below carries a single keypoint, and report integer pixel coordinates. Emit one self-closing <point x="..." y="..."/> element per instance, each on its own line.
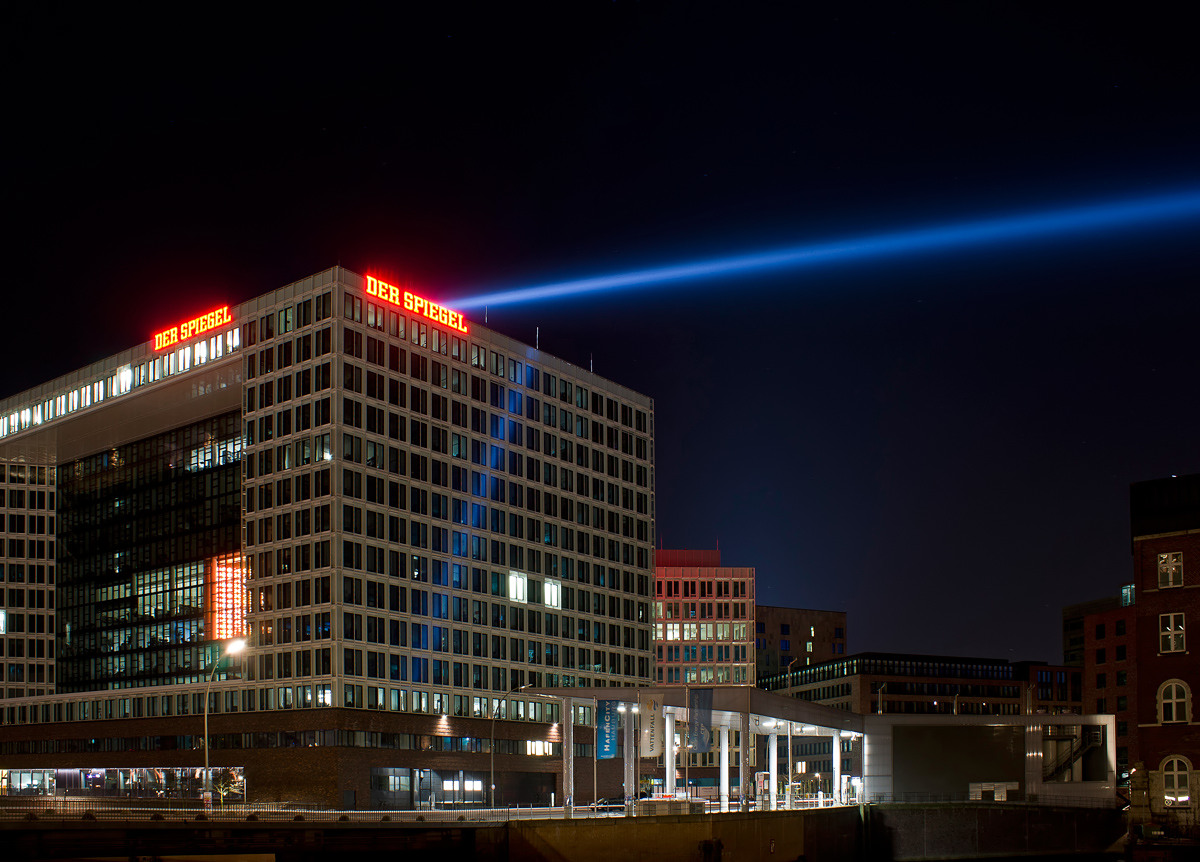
<point x="1074" y="222"/>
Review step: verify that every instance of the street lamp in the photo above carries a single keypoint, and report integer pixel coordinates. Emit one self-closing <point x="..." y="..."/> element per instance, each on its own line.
<point x="509" y="694"/>
<point x="234" y="647"/>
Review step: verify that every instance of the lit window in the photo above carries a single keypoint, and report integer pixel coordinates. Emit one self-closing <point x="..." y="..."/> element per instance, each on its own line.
<point x="1175" y="782"/>
<point x="517" y="585"/>
<point x="1170" y="569"/>
<point x="552" y="594"/>
<point x="1170" y="633"/>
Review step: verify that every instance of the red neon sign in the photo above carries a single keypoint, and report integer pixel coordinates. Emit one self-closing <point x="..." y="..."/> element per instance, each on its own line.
<point x="416" y="304"/>
<point x="191" y="328"/>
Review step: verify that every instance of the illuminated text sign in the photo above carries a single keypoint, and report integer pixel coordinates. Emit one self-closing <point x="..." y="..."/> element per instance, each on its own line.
<point x="191" y="328"/>
<point x="416" y="304"/>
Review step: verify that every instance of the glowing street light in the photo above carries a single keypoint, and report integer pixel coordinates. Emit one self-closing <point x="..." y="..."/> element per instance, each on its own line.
<point x="234" y="647"/>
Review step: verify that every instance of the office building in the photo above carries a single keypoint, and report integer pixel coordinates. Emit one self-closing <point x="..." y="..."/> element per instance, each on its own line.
<point x="410" y="518"/>
<point x="800" y="636"/>
<point x="928" y="685"/>
<point x="703" y="619"/>
<point x="934" y="685"/>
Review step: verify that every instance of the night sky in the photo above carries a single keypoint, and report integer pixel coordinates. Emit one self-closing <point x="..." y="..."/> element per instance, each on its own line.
<point x="940" y="444"/>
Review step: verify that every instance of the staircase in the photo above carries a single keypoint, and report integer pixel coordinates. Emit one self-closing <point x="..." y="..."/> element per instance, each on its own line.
<point x="1091" y="737"/>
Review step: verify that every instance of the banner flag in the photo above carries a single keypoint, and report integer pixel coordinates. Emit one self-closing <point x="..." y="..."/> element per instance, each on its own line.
<point x="607" y="722"/>
<point x="652" y="728"/>
<point x="700" y="719"/>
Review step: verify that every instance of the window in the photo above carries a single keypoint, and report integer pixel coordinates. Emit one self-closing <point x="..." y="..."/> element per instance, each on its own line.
<point x="1099" y="631"/>
<point x="517" y="584"/>
<point x="1170" y="570"/>
<point x="1173" y="702"/>
<point x="1175" y="782"/>
<point x="1100" y="656"/>
<point x="1170" y="633"/>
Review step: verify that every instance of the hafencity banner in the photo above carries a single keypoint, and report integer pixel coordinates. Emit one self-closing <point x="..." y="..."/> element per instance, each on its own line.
<point x="652" y="728"/>
<point x="700" y="719"/>
<point x="607" y="722"/>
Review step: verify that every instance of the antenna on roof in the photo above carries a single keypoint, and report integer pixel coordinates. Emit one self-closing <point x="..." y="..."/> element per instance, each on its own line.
<point x="591" y="365"/>
<point x="485" y="315"/>
<point x="537" y="338"/>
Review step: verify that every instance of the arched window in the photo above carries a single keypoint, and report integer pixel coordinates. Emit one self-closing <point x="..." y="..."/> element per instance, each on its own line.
<point x="1175" y="782"/>
<point x="1174" y="702"/>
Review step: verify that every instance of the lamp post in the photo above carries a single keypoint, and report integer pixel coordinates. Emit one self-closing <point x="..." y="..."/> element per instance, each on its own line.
<point x="509" y="694"/>
<point x="234" y="647"/>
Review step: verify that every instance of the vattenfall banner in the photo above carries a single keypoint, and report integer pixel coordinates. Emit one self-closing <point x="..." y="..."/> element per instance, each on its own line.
<point x="700" y="723"/>
<point x="652" y="728"/>
<point x="607" y="722"/>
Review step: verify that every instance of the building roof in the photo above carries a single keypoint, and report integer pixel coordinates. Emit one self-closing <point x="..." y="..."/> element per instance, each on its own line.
<point x="1164" y="505"/>
<point x="669" y="558"/>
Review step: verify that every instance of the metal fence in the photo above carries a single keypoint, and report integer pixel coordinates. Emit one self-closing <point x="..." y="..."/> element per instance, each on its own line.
<point x="1044" y="801"/>
<point x="130" y="809"/>
<point x="76" y="808"/>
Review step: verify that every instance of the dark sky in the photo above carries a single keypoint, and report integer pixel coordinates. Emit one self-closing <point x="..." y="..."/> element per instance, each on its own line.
<point x="939" y="444"/>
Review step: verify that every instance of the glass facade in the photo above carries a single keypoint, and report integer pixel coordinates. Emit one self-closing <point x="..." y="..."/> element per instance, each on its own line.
<point x="147" y="534"/>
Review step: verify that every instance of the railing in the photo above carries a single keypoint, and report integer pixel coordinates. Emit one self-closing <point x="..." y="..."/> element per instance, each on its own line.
<point x="1045" y="800"/>
<point x="58" y="809"/>
<point x="1089" y="739"/>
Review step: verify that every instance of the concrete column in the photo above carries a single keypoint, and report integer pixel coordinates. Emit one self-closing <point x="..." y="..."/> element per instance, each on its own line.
<point x="724" y="732"/>
<point x="669" y="756"/>
<point x="836" y="749"/>
<point x="787" y="785"/>
<point x="568" y="746"/>
<point x="630" y="749"/>
<point x="773" y="767"/>
<point x="744" y="776"/>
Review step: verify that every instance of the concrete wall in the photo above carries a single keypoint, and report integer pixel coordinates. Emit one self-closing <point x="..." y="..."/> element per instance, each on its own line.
<point x="911" y="832"/>
<point x="886" y="832"/>
<point x="831" y="834"/>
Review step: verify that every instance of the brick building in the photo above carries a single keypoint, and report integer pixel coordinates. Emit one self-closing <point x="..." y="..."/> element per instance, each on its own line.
<point x="703" y="619"/>
<point x="1105" y="632"/>
<point x="1165" y="532"/>
<point x="800" y="635"/>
